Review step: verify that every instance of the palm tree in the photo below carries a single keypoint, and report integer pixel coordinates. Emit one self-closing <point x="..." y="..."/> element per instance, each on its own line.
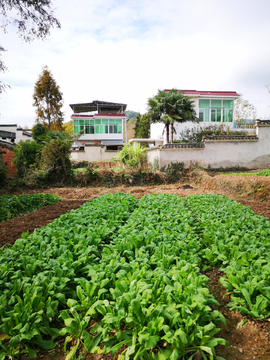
<point x="168" y="107"/>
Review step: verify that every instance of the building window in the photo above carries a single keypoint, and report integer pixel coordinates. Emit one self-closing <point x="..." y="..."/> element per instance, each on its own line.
<point x="97" y="126"/>
<point x="215" y="110"/>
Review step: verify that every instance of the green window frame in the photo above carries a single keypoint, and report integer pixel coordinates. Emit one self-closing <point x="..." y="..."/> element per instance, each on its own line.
<point x="219" y="110"/>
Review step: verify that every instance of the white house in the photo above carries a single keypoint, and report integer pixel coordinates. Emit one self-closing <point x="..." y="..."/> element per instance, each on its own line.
<point x="12" y="133"/>
<point x="212" y="107"/>
<point x="101" y="130"/>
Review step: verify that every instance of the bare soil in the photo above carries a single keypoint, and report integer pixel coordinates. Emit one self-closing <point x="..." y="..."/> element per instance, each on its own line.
<point x="251" y="341"/>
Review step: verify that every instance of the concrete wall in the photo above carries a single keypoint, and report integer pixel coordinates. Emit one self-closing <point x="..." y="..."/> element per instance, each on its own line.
<point x="250" y="153"/>
<point x="93" y="153"/>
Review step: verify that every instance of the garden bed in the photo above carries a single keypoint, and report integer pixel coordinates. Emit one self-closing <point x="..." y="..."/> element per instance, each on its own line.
<point x="248" y="342"/>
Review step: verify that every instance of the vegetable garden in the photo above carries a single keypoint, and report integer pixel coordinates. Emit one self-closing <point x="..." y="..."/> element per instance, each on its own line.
<point x="122" y="273"/>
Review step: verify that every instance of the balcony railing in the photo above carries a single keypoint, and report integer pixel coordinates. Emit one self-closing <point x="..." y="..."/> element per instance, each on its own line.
<point x="244" y="124"/>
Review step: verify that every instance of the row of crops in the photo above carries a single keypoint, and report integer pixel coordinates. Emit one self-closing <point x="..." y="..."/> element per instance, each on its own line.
<point x="17" y="205"/>
<point x="126" y="273"/>
<point x="265" y="172"/>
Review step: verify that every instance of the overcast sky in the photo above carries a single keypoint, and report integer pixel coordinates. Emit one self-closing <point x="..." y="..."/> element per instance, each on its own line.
<point x="124" y="51"/>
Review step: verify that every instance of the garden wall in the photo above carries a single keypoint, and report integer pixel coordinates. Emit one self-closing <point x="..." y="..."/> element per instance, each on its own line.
<point x="93" y="153"/>
<point x="250" y="151"/>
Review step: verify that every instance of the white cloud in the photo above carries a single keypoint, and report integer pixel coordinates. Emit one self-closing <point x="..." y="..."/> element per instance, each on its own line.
<point x="125" y="51"/>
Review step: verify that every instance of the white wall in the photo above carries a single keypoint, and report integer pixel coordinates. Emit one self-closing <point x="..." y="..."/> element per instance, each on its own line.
<point x="93" y="153"/>
<point x="253" y="154"/>
<point x="18" y="132"/>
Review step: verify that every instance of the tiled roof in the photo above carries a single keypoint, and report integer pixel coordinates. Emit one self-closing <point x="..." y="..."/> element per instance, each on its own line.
<point x="208" y="93"/>
<point x="183" y="145"/>
<point x="97" y="115"/>
<point x="230" y="138"/>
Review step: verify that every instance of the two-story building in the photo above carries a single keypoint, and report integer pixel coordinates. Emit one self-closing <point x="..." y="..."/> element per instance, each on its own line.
<point x="212" y="107"/>
<point x="100" y="130"/>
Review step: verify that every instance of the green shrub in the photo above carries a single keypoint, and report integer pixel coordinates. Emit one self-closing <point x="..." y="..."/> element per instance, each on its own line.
<point x="26" y="156"/>
<point x="55" y="163"/>
<point x="133" y="157"/>
<point x="3" y="171"/>
<point x="196" y="133"/>
<point x="174" y="172"/>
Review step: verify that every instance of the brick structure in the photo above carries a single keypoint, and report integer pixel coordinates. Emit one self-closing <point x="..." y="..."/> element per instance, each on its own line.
<point x="8" y="156"/>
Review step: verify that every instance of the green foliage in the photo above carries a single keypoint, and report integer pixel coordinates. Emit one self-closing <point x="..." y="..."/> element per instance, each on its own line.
<point x="265" y="172"/>
<point x="133" y="269"/>
<point x="17" y="205"/>
<point x="26" y="156"/>
<point x="132" y="156"/>
<point x="39" y="132"/>
<point x="48" y="101"/>
<point x="174" y="172"/>
<point x="55" y="159"/>
<point x="68" y="127"/>
<point x="46" y="161"/>
<point x="3" y="171"/>
<point x="196" y="133"/>
<point x="142" y="126"/>
<point x="170" y="106"/>
<point x="131" y="114"/>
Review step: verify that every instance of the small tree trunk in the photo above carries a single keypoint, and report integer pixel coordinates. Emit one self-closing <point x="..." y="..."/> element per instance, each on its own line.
<point x="167" y="132"/>
<point x="171" y="132"/>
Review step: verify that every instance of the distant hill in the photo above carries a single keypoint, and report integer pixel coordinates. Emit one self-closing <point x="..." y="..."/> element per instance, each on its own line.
<point x="131" y="114"/>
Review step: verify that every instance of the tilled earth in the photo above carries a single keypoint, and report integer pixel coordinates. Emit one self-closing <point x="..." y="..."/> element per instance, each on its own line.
<point x="251" y="341"/>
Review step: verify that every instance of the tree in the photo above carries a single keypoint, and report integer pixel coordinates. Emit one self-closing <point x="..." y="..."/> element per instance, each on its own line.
<point x="39" y="132"/>
<point x="68" y="127"/>
<point x="48" y="101"/>
<point x="168" y="107"/>
<point x="142" y="126"/>
<point x="243" y="109"/>
<point x="33" y="18"/>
